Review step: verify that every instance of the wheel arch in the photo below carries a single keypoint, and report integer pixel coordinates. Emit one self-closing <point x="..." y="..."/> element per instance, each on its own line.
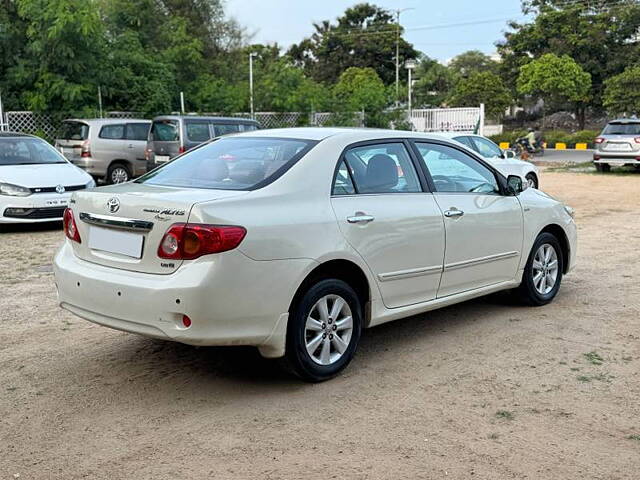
<point x="558" y="232"/>
<point x="125" y="162"/>
<point x="341" y="269"/>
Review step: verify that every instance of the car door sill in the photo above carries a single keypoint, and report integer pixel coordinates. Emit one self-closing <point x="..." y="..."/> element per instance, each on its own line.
<point x="480" y="261"/>
<point x="413" y="272"/>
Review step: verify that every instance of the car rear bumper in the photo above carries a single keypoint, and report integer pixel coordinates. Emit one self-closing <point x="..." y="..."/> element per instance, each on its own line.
<point x="230" y="299"/>
<point x="620" y="158"/>
<point x="92" y="166"/>
<point x="36" y="208"/>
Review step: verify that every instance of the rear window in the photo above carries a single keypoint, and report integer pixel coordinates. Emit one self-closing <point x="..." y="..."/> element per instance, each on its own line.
<point x="27" y="151"/>
<point x="165" y="131"/>
<point x="73" y="131"/>
<point x="226" y="128"/>
<point x="137" y="131"/>
<point x="622" y="129"/>
<point x="233" y="163"/>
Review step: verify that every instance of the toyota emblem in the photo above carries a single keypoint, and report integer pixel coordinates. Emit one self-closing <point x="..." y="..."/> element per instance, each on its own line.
<point x="113" y="205"/>
<point x="60" y="189"/>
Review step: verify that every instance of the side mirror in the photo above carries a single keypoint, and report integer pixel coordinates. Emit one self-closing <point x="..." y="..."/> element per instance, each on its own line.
<point x="509" y="154"/>
<point x="515" y="186"/>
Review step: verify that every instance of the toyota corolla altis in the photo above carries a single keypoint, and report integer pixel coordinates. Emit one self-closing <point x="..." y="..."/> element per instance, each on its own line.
<point x="294" y="240"/>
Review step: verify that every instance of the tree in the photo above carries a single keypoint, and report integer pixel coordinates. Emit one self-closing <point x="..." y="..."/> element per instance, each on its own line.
<point x="362" y="89"/>
<point x="365" y="36"/>
<point x="600" y="35"/>
<point x="556" y="80"/>
<point x="434" y="85"/>
<point x="622" y="92"/>
<point x="472" y="61"/>
<point x="482" y="87"/>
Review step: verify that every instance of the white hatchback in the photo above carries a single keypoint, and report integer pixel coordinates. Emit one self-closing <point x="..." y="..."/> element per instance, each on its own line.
<point x="36" y="181"/>
<point x="294" y="240"/>
<point x="497" y="157"/>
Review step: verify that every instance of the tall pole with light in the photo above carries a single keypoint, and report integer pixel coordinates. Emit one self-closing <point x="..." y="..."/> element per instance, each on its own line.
<point x="251" y="56"/>
<point x="398" y="12"/>
<point x="410" y="65"/>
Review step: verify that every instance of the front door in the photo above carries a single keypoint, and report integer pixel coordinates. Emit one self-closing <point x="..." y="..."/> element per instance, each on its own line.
<point x="484" y="229"/>
<point x="387" y="218"/>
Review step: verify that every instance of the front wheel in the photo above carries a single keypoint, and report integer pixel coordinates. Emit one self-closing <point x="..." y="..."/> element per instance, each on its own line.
<point x="543" y="273"/>
<point x="323" y="331"/>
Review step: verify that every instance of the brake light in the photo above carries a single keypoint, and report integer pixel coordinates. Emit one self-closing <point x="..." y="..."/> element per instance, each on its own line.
<point x="186" y="241"/>
<point x="70" y="227"/>
<point x="147" y="154"/>
<point x="599" y="140"/>
<point x="85" y="151"/>
<point x="637" y="139"/>
<point x="182" y="149"/>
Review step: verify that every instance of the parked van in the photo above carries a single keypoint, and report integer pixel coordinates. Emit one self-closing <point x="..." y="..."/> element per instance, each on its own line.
<point x="172" y="135"/>
<point x="110" y="149"/>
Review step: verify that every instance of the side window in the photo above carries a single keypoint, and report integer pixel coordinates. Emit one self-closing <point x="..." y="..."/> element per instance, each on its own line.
<point x="225" y="129"/>
<point x="198" y="131"/>
<point x="455" y="171"/>
<point x="137" y="131"/>
<point x="112" y="132"/>
<point x="466" y="141"/>
<point x="342" y="184"/>
<point x="382" y="168"/>
<point x="487" y="148"/>
<point x="247" y="127"/>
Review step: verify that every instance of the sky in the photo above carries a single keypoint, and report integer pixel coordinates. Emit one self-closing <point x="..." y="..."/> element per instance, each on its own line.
<point x="443" y="29"/>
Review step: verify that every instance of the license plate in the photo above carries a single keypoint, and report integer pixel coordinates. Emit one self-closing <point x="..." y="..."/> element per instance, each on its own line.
<point x="619" y="147"/>
<point x="162" y="158"/>
<point x="56" y="203"/>
<point x="116" y="241"/>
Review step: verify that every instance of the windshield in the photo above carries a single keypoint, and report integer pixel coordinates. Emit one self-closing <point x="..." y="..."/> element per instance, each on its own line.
<point x="27" y="151"/>
<point x="622" y="129"/>
<point x="73" y="131"/>
<point x="231" y="163"/>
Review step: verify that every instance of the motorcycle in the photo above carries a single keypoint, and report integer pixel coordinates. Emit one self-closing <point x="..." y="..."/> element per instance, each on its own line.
<point x="523" y="147"/>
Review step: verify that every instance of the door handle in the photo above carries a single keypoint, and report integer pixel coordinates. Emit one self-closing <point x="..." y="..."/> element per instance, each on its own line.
<point x="360" y="217"/>
<point x="130" y="145"/>
<point x="454" y="212"/>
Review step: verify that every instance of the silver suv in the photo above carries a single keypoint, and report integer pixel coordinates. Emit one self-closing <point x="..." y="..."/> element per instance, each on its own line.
<point x="618" y="144"/>
<point x="109" y="149"/>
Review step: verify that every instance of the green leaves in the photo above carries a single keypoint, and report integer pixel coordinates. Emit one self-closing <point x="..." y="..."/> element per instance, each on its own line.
<point x="622" y="92"/>
<point x="555" y="78"/>
<point x="482" y="87"/>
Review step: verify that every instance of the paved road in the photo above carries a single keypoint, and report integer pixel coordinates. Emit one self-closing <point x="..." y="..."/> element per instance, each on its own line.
<point x="565" y="156"/>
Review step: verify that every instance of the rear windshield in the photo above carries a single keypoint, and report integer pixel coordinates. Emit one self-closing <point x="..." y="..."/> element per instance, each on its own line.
<point x="165" y="131"/>
<point x="622" y="129"/>
<point x="73" y="131"/>
<point x="231" y="163"/>
<point x="27" y="151"/>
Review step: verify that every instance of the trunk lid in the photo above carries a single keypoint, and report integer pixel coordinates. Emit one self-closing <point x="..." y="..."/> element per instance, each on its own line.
<point x="121" y="226"/>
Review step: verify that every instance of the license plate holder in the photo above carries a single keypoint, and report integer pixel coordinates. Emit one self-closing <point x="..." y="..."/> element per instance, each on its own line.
<point x="120" y="242"/>
<point x="619" y="147"/>
<point x="162" y="158"/>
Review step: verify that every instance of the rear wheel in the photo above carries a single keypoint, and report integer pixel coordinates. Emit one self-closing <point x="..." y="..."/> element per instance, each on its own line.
<point x="323" y="331"/>
<point x="603" y="167"/>
<point x="543" y="273"/>
<point x="532" y="180"/>
<point x="118" y="173"/>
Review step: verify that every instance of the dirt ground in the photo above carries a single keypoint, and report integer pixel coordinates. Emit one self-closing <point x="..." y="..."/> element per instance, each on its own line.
<point x="486" y="389"/>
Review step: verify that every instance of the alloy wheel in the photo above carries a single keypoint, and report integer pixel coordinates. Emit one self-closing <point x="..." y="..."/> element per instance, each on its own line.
<point x="119" y="175"/>
<point x="328" y="329"/>
<point x="545" y="269"/>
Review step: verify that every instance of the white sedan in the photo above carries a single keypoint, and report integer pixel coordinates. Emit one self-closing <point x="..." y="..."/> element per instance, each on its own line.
<point x="36" y="181"/>
<point x="497" y="157"/>
<point x="294" y="240"/>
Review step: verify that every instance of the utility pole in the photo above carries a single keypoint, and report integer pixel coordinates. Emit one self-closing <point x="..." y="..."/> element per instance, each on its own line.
<point x="398" y="12"/>
<point x="100" y="100"/>
<point x="251" y="55"/>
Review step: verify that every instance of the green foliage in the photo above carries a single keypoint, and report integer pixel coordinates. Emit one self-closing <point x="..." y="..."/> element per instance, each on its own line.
<point x="482" y="87"/>
<point x="434" y="84"/>
<point x="622" y="92"/>
<point x="472" y="61"/>
<point x="365" y="36"/>
<point x="554" y="79"/>
<point x="360" y="89"/>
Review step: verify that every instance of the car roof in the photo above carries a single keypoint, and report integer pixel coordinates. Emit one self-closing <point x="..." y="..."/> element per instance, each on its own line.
<point x="321" y="133"/>
<point x="15" y="134"/>
<point x="106" y="121"/>
<point x="204" y="117"/>
<point x="625" y="120"/>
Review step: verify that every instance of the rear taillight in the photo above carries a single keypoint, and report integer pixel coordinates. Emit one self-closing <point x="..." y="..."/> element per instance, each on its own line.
<point x="182" y="149"/>
<point x="85" y="151"/>
<point x="186" y="241"/>
<point x="599" y="140"/>
<point x="70" y="227"/>
<point x="637" y="139"/>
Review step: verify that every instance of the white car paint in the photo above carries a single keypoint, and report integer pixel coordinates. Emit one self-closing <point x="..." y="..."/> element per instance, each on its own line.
<point x="41" y="176"/>
<point x="294" y="225"/>
<point x="507" y="166"/>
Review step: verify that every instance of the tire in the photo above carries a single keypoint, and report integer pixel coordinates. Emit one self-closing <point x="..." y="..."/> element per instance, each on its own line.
<point x="312" y="351"/>
<point x="532" y="180"/>
<point x="603" y="167"/>
<point x="118" y="173"/>
<point x="536" y="291"/>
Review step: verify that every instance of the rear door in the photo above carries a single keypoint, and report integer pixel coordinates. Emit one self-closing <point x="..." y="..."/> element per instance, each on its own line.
<point x="165" y="139"/>
<point x="110" y="144"/>
<point x="196" y="132"/>
<point x="484" y="229"/>
<point x="388" y="218"/>
<point x="71" y="136"/>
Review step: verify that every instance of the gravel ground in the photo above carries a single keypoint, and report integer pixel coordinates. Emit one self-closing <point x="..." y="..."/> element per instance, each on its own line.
<point x="486" y="389"/>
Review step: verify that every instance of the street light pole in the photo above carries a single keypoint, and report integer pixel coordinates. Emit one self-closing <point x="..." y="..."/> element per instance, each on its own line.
<point x="409" y="65"/>
<point x="398" y="12"/>
<point x="251" y="55"/>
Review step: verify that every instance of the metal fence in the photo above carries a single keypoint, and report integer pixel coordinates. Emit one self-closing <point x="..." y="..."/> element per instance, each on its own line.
<point x="468" y="120"/>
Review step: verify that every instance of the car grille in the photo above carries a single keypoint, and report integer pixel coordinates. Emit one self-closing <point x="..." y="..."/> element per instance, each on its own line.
<point x="35" y="213"/>
<point x="71" y="188"/>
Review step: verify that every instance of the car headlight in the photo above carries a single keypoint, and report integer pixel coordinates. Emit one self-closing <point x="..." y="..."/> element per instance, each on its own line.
<point x="90" y="184"/>
<point x="14" y="190"/>
<point x="570" y="211"/>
